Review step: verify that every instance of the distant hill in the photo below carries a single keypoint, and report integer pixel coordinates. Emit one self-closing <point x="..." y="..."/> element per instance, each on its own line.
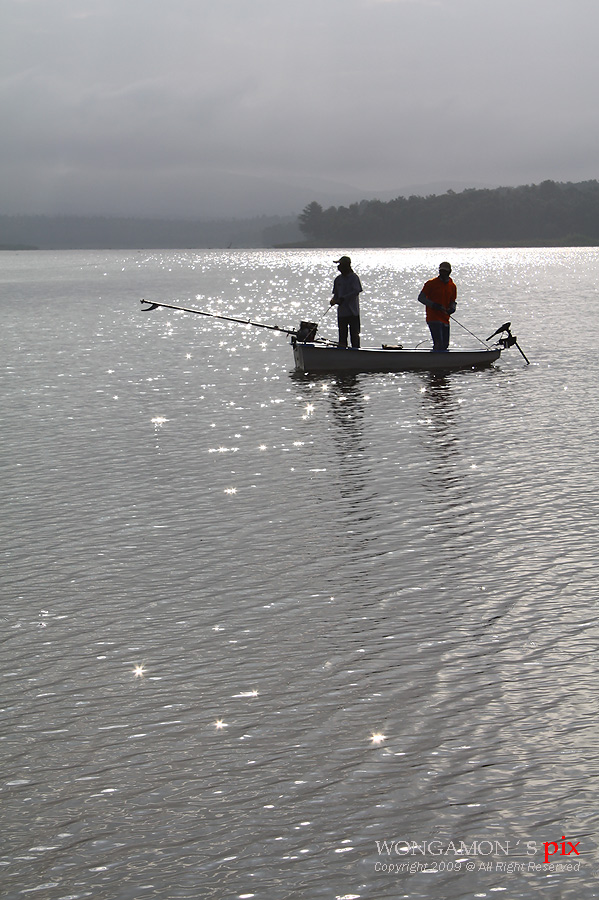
<point x="99" y="233"/>
<point x="547" y="214"/>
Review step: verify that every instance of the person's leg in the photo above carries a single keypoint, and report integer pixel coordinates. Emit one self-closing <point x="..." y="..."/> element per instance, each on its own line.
<point x="435" y="330"/>
<point x="343" y="323"/>
<point x="440" y="335"/>
<point x="445" y="336"/>
<point x="354" y="330"/>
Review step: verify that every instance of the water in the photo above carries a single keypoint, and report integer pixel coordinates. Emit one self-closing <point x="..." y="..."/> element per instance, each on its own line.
<point x="257" y="624"/>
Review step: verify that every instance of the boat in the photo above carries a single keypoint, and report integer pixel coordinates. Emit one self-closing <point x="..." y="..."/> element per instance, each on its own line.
<point x="313" y="358"/>
<point x="312" y="354"/>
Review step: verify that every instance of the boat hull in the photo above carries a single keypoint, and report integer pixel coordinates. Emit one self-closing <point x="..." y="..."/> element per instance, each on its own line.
<point x="312" y="358"/>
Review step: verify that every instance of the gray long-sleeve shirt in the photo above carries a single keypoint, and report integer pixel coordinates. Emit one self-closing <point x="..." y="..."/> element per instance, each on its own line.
<point x="346" y="290"/>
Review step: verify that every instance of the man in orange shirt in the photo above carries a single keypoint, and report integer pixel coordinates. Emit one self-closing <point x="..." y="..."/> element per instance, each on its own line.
<point x="439" y="296"/>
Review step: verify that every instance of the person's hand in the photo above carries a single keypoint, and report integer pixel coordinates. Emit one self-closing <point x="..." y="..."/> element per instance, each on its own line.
<point x="333" y="301"/>
<point x="452" y="307"/>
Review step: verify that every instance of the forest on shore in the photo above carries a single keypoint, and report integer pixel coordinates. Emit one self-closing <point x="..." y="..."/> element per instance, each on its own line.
<point x="548" y="214"/>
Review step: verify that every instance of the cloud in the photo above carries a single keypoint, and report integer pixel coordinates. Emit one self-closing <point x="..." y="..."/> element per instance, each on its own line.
<point x="140" y="103"/>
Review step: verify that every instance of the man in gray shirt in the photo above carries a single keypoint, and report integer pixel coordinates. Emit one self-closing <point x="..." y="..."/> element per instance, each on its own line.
<point x="346" y="290"/>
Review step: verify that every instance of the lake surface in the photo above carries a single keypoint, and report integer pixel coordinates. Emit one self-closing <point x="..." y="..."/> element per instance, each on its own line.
<point x="267" y="635"/>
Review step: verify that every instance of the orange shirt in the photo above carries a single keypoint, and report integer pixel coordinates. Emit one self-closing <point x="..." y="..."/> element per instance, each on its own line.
<point x="439" y="292"/>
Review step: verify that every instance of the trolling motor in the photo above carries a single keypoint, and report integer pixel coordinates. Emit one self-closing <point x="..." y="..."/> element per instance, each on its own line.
<point x="510" y="340"/>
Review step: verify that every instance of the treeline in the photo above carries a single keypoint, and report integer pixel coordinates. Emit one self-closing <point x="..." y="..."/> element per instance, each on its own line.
<point x="547" y="214"/>
<point x="100" y="233"/>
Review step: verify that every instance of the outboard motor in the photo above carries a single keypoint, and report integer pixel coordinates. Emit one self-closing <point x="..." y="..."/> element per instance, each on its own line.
<point x="306" y="332"/>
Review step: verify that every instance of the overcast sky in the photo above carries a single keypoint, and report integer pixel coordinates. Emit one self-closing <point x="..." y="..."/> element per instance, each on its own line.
<point x="217" y="107"/>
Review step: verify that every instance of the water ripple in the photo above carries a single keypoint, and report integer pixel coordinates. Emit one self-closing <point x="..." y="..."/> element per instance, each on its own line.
<point x="255" y="622"/>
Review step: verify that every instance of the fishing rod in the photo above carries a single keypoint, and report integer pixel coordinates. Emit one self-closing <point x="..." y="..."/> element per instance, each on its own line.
<point x="441" y="308"/>
<point x="480" y="340"/>
<point x="200" y="312"/>
<point x="305" y="333"/>
<point x="508" y="341"/>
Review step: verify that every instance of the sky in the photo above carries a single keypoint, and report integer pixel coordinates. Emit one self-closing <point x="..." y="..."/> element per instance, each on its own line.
<point x="216" y="108"/>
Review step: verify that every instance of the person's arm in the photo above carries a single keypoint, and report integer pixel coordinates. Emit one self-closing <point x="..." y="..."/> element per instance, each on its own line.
<point x="453" y="304"/>
<point x="424" y="299"/>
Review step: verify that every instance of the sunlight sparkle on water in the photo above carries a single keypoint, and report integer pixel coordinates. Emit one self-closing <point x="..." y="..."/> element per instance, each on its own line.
<point x="377" y="738"/>
<point x="139" y="671"/>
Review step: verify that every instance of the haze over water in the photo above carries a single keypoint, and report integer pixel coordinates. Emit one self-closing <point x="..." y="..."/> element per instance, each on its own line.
<point x="256" y="624"/>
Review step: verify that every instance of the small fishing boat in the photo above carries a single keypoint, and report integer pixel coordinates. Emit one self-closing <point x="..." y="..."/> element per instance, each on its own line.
<point x="314" y="358"/>
<point x="313" y="355"/>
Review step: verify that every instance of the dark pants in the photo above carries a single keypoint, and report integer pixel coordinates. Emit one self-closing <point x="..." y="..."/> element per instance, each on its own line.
<point x="351" y="324"/>
<point x="440" y="335"/>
